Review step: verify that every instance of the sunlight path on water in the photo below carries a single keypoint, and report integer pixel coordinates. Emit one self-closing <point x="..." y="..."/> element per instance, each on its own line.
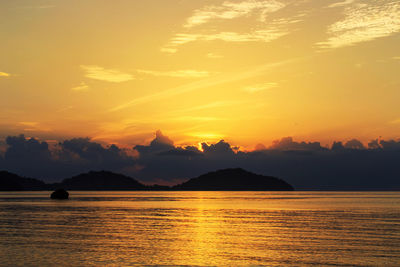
<point x="200" y="228"/>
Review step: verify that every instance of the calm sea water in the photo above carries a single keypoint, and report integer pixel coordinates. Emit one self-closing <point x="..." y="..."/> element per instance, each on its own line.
<point x="200" y="228"/>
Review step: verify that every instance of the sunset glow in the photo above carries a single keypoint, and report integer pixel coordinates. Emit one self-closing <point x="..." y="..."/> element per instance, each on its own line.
<point x="245" y="71"/>
<point x="199" y="132"/>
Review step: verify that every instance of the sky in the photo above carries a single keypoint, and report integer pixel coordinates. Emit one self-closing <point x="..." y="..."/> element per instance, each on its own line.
<point x="246" y="71"/>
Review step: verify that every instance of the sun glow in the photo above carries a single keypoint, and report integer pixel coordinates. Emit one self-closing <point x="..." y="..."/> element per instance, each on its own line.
<point x="247" y="71"/>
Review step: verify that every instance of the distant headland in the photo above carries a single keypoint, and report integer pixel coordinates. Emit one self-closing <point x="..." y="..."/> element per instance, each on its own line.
<point x="235" y="179"/>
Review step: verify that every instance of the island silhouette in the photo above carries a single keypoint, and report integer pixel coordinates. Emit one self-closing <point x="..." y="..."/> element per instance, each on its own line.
<point x="234" y="179"/>
<point x="13" y="182"/>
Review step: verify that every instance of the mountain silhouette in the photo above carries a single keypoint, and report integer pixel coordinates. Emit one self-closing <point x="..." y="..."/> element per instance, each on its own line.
<point x="12" y="182"/>
<point x="100" y="180"/>
<point x="221" y="180"/>
<point x="234" y="180"/>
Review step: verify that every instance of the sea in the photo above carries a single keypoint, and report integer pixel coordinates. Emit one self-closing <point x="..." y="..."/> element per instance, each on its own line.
<point x="138" y="228"/>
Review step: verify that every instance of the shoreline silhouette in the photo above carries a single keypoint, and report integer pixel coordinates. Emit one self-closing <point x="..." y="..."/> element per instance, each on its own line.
<point x="233" y="179"/>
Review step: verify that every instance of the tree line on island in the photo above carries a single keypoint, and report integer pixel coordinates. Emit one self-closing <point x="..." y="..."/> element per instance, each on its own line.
<point x="235" y="179"/>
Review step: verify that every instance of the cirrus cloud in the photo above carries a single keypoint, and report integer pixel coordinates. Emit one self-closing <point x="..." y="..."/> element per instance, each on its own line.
<point x="340" y="4"/>
<point x="177" y="73"/>
<point x="262" y="35"/>
<point x="81" y="87"/>
<point x="257" y="10"/>
<point x="364" y="22"/>
<point x="108" y="75"/>
<point x="4" y="74"/>
<point x="231" y="10"/>
<point x="260" y="87"/>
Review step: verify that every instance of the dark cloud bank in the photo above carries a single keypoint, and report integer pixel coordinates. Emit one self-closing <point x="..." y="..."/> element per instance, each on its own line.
<point x="305" y="165"/>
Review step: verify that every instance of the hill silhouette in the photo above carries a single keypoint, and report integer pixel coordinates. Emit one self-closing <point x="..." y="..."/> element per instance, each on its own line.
<point x="100" y="180"/>
<point x="221" y="180"/>
<point x="12" y="182"/>
<point x="234" y="180"/>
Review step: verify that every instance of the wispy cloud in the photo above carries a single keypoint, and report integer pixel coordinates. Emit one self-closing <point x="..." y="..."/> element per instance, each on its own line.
<point x="195" y="118"/>
<point x="178" y="73"/>
<point x="395" y="121"/>
<point x="31" y="126"/>
<point x="209" y="136"/>
<point x="231" y="10"/>
<point x="29" y="123"/>
<point x="264" y="35"/>
<point x="204" y="83"/>
<point x="266" y="32"/>
<point x="340" y="4"/>
<point x="212" y="55"/>
<point x="102" y="74"/>
<point x="216" y="104"/>
<point x="82" y="87"/>
<point x="4" y="74"/>
<point x="168" y="50"/>
<point x="364" y="22"/>
<point x="260" y="87"/>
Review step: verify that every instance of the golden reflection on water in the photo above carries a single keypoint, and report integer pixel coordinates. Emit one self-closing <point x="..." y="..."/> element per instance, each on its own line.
<point x="201" y="228"/>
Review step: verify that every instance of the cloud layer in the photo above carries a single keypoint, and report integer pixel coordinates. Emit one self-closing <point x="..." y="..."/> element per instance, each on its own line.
<point x="363" y="22"/>
<point x="257" y="10"/>
<point x="306" y="165"/>
<point x="359" y="21"/>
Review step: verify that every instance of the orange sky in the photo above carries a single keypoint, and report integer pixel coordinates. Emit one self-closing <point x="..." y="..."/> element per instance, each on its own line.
<point x="245" y="71"/>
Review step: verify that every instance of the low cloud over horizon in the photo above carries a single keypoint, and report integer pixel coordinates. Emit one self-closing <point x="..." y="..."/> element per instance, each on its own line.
<point x="306" y="165"/>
